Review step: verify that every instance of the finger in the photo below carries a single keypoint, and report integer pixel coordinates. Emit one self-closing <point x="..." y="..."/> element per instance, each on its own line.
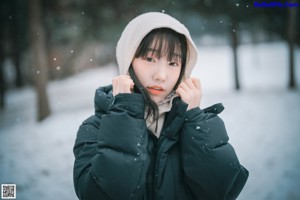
<point x="123" y="79"/>
<point x="196" y="82"/>
<point x="115" y="88"/>
<point x="114" y="81"/>
<point x="131" y="84"/>
<point x="128" y="78"/>
<point x="180" y="92"/>
<point x="126" y="84"/>
<point x="124" y="75"/>
<point x="190" y="84"/>
<point x="122" y="84"/>
<point x="184" y="86"/>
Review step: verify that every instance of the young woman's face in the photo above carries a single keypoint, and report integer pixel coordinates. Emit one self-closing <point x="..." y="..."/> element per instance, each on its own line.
<point x="157" y="74"/>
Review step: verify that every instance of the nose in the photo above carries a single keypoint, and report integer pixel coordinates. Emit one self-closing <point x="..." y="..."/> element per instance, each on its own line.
<point x="160" y="73"/>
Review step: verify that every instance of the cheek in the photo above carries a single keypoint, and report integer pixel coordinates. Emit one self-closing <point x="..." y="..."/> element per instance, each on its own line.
<point x="137" y="67"/>
<point x="139" y="70"/>
<point x="175" y="76"/>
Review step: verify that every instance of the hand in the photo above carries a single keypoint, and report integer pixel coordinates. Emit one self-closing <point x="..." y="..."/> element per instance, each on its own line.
<point x="190" y="92"/>
<point x="122" y="84"/>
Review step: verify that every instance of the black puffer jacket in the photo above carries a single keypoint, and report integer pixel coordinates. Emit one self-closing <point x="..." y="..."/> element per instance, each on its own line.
<point x="117" y="158"/>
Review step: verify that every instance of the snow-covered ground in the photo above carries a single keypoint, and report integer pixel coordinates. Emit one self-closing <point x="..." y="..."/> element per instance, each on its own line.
<point x="262" y="121"/>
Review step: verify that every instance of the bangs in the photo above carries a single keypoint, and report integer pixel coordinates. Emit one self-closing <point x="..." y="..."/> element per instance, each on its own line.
<point x="164" y="42"/>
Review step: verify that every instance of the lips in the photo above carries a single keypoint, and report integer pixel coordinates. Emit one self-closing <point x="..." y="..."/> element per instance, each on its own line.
<point x="155" y="89"/>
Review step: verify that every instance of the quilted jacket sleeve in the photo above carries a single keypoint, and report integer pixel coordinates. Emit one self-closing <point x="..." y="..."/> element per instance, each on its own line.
<point x="111" y="157"/>
<point x="211" y="167"/>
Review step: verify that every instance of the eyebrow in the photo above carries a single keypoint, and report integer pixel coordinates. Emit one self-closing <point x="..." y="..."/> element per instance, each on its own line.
<point x="156" y="51"/>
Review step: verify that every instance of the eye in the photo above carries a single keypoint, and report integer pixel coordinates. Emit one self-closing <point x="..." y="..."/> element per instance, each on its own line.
<point x="174" y="64"/>
<point x="149" y="59"/>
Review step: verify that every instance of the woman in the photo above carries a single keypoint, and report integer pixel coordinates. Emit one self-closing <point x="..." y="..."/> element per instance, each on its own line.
<point x="149" y="139"/>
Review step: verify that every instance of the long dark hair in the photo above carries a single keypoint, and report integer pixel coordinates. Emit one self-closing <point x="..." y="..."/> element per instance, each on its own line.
<point x="166" y="42"/>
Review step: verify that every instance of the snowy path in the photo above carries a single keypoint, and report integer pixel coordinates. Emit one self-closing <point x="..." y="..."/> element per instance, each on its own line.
<point x="262" y="122"/>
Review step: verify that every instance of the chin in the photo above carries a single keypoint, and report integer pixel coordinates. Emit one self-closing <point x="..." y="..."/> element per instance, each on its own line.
<point x="156" y="99"/>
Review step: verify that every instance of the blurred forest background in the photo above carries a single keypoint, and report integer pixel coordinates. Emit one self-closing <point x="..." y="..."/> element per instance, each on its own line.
<point x="47" y="40"/>
<point x="55" y="53"/>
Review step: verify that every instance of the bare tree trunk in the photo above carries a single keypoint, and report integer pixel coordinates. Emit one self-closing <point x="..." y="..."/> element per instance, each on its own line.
<point x="292" y="28"/>
<point x="2" y="58"/>
<point x="18" y="23"/>
<point x="17" y="64"/>
<point x="2" y="81"/>
<point x="3" y="33"/>
<point x="39" y="58"/>
<point x="234" y="45"/>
